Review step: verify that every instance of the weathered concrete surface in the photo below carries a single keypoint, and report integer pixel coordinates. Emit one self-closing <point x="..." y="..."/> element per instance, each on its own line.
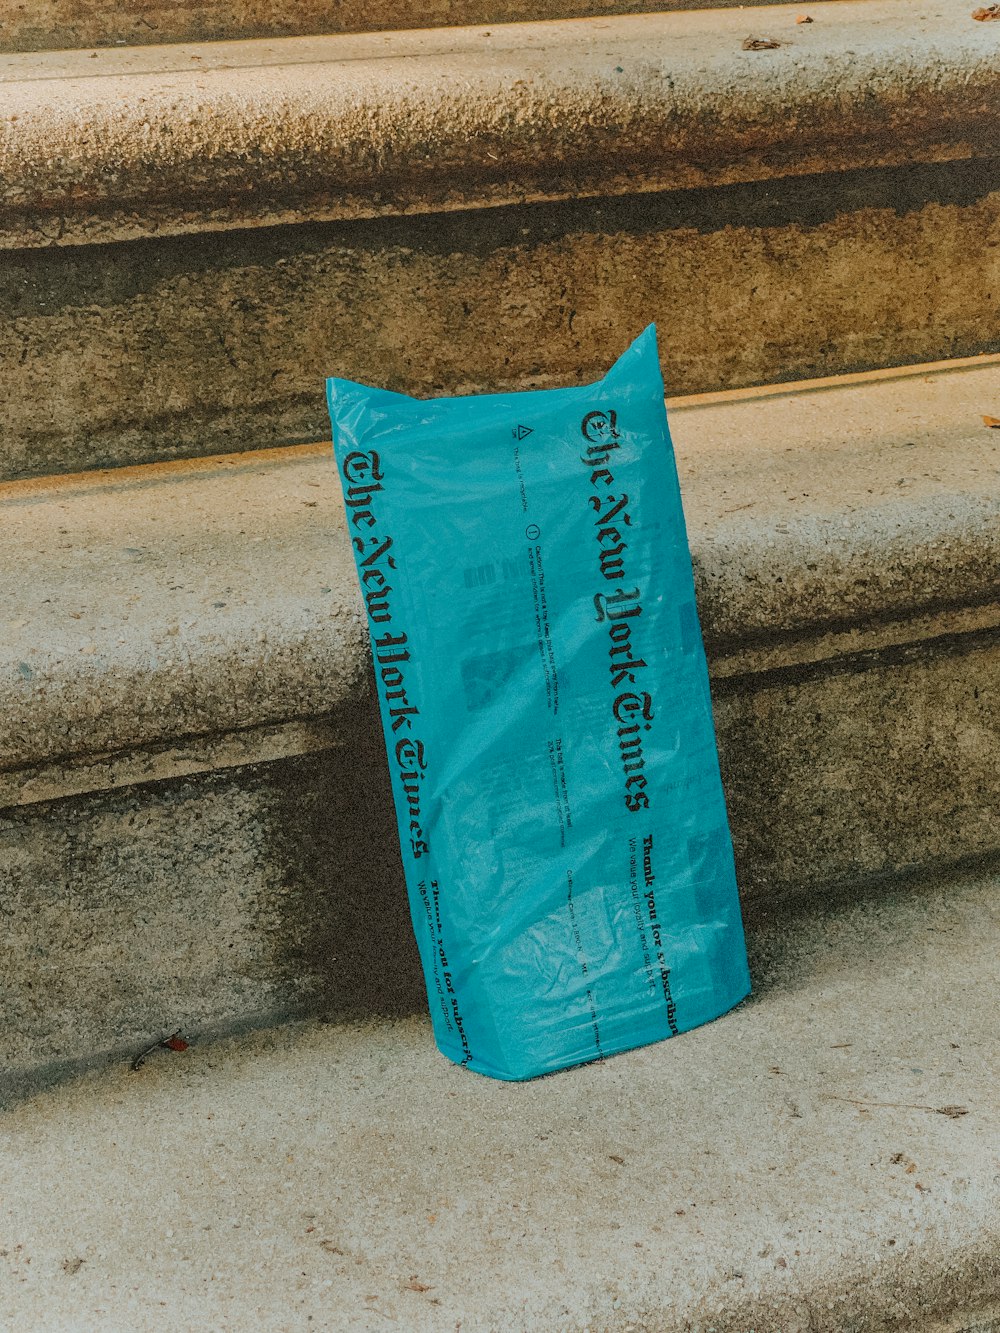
<point x="47" y="24"/>
<point x="165" y="604"/>
<point x="129" y="353"/>
<point x="246" y="895"/>
<point x="782" y="1169"/>
<point x="827" y="526"/>
<point x="345" y="127"/>
<point x="180" y="780"/>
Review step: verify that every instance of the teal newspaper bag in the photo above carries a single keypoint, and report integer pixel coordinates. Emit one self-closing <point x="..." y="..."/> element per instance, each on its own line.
<point x="544" y="698"/>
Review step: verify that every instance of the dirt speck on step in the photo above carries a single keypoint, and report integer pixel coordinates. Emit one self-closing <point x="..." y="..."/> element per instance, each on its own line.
<point x="760" y="44"/>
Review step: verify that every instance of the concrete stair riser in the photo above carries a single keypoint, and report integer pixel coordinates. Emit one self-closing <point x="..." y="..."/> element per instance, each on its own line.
<point x="244" y="895"/>
<point x="255" y="894"/>
<point x="200" y="345"/>
<point x="59" y="24"/>
<point x="480" y="212"/>
<point x="846" y="583"/>
<point x="863" y="766"/>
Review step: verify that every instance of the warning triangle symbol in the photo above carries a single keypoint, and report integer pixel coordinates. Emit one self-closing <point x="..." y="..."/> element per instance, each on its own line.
<point x="522" y="432"/>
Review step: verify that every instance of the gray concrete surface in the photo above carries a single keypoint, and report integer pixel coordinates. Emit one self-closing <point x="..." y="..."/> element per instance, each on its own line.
<point x="335" y="128"/>
<point x="239" y="897"/>
<point x="788" y="1169"/>
<point x="173" y="602"/>
<point x="48" y="24"/>
<point x="186" y="722"/>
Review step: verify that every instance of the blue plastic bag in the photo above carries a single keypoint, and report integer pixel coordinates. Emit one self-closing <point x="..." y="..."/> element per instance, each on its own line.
<point x="544" y="698"/>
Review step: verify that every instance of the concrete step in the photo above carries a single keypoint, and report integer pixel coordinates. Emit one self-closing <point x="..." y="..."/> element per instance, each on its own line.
<point x="187" y="728"/>
<point x="822" y="1160"/>
<point x="47" y="25"/>
<point x="479" y="209"/>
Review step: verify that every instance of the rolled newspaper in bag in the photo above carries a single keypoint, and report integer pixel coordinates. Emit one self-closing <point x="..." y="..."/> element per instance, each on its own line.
<point x="543" y="689"/>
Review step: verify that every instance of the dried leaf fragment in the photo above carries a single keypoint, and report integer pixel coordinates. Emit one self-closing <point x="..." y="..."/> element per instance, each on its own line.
<point x="952" y="1112"/>
<point x="804" y="18"/>
<point x="987" y="13"/>
<point x="760" y="44"/>
<point x="992" y="422"/>
<point x="414" y="1285"/>
<point x="615" y="1158"/>
<point x="175" y="1042"/>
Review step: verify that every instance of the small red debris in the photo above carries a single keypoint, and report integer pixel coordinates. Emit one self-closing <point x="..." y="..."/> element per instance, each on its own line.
<point x="175" y="1042"/>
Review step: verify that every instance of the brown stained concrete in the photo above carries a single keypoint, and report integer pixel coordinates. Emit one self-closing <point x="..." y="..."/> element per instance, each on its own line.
<point x="152" y="350"/>
<point x="44" y="25"/>
<point x="345" y="127"/>
<point x="778" y="1170"/>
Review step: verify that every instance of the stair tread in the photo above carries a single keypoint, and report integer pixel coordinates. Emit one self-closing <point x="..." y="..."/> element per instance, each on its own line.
<point x="171" y="601"/>
<point x="787" y="1166"/>
<point x="179" y="600"/>
<point x="552" y="35"/>
<point x="178" y="139"/>
<point x="63" y="24"/>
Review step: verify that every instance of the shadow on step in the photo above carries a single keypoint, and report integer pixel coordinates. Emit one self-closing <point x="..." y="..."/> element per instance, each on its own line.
<point x="343" y="930"/>
<point x="346" y="924"/>
<point x="253" y="896"/>
<point x="798" y="936"/>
